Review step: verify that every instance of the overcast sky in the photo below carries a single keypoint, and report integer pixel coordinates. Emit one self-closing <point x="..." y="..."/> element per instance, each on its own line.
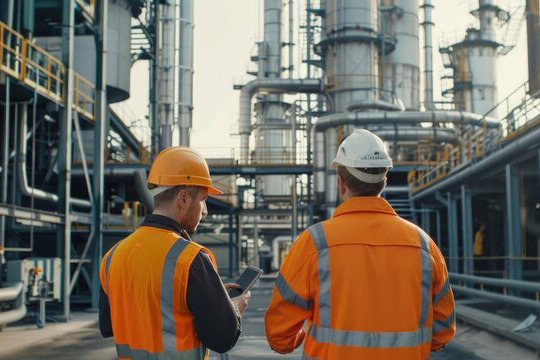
<point x="225" y="33"/>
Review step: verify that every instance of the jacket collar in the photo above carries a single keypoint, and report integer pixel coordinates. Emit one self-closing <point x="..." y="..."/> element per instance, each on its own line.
<point x="165" y="223"/>
<point x="365" y="204"/>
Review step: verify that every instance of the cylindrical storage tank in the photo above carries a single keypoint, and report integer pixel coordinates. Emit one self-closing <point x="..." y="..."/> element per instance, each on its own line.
<point x="402" y="66"/>
<point x="118" y="51"/>
<point x="475" y="75"/>
<point x="350" y="52"/>
<point x="533" y="40"/>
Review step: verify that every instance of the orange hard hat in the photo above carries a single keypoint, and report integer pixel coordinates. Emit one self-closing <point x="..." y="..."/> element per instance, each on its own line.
<point x="179" y="165"/>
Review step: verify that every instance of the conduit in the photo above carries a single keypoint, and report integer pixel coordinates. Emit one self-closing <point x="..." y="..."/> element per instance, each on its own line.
<point x="401" y="134"/>
<point x="405" y="117"/>
<point x="276" y="86"/>
<point x="23" y="178"/>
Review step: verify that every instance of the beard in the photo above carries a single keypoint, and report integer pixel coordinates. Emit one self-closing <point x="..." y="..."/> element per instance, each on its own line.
<point x="190" y="223"/>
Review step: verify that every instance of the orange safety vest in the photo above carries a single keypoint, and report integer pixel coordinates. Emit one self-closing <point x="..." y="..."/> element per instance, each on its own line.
<point x="145" y="277"/>
<point x="370" y="284"/>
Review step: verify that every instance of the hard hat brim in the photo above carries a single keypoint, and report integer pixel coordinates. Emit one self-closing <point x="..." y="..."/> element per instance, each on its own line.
<point x="214" y="191"/>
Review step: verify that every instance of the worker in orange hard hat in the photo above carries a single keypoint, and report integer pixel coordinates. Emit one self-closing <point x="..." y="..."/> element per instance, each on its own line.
<point x="370" y="284"/>
<point x="161" y="294"/>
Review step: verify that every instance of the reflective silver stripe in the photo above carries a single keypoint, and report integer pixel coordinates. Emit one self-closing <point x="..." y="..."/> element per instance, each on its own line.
<point x="107" y="265"/>
<point x="167" y="297"/>
<point x="125" y="351"/>
<point x="319" y="238"/>
<point x="289" y="295"/>
<point x="425" y="256"/>
<point x="444" y="290"/>
<point x="371" y="339"/>
<point x="442" y="325"/>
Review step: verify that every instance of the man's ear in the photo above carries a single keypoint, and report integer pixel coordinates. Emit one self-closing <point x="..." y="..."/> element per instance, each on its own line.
<point x="182" y="199"/>
<point x="341" y="185"/>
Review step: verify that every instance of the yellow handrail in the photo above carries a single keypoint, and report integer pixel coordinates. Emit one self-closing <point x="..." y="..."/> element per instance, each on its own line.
<point x="43" y="72"/>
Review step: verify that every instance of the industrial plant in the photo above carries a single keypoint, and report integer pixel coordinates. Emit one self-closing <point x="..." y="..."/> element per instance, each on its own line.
<point x="466" y="158"/>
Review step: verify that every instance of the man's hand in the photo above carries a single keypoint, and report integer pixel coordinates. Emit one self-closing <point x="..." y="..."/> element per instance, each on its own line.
<point x="239" y="302"/>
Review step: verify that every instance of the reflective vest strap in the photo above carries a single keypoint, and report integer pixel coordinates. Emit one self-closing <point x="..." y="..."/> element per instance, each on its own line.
<point x="124" y="351"/>
<point x="371" y="339"/>
<point x="107" y="266"/>
<point x="167" y="295"/>
<point x="444" y="290"/>
<point x="426" y="265"/>
<point x="442" y="325"/>
<point x="323" y="265"/>
<point x="289" y="295"/>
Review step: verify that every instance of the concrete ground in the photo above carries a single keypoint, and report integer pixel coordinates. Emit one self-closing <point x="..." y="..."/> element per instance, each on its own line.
<point x="80" y="339"/>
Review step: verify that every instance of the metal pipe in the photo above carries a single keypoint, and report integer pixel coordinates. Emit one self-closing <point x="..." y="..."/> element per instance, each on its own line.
<point x="428" y="25"/>
<point x="512" y="151"/>
<point x="100" y="135"/>
<point x="146" y="198"/>
<point x="291" y="38"/>
<point x="185" y="71"/>
<point x="277" y="86"/>
<point x="532" y="304"/>
<point x="294" y="222"/>
<point x="166" y="94"/>
<point x="23" y="178"/>
<point x="417" y="133"/>
<point x="11" y="293"/>
<point x="533" y="47"/>
<point x="11" y="316"/>
<point x="319" y="165"/>
<point x="406" y="117"/>
<point x="528" y="286"/>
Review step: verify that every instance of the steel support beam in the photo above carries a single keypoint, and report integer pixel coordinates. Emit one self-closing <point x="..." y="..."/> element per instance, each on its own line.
<point x="231" y="244"/>
<point x="99" y="141"/>
<point x="5" y="164"/>
<point x="513" y="228"/>
<point x="439" y="234"/>
<point x="452" y="233"/>
<point x="64" y="152"/>
<point x="467" y="230"/>
<point x="425" y="220"/>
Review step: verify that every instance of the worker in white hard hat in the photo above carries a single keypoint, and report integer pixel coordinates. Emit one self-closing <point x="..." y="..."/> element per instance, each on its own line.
<point x="370" y="284"/>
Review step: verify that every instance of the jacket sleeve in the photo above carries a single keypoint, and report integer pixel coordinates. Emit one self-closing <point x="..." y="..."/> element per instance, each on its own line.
<point x="291" y="300"/>
<point x="217" y="324"/>
<point x="444" y="315"/>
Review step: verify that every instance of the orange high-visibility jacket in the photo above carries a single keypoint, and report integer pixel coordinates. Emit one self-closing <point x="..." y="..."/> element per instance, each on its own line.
<point x="145" y="277"/>
<point x="370" y="284"/>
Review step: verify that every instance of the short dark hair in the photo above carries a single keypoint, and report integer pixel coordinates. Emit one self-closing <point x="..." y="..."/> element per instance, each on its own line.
<point x="360" y="188"/>
<point x="170" y="194"/>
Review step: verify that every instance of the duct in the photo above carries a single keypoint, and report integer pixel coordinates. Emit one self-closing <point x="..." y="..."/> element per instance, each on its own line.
<point x="23" y="178"/>
<point x="143" y="193"/>
<point x="533" y="42"/>
<point x="428" y="53"/>
<point x="406" y="117"/>
<point x="370" y="105"/>
<point x="418" y="133"/>
<point x="124" y="172"/>
<point x="13" y="293"/>
<point x="514" y="150"/>
<point x="166" y="92"/>
<point x="275" y="85"/>
<point x="185" y="70"/>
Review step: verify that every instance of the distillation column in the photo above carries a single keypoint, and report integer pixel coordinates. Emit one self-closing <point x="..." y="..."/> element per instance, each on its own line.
<point x="166" y="99"/>
<point x="350" y="49"/>
<point x="402" y="66"/>
<point x="271" y="138"/>
<point x="185" y="71"/>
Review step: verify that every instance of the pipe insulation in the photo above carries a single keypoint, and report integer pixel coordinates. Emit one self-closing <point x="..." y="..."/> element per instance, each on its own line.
<point x="23" y="178"/>
<point x="185" y="71"/>
<point x="507" y="154"/>
<point x="406" y="117"/>
<point x="428" y="25"/>
<point x="275" y="86"/>
<point x="418" y="133"/>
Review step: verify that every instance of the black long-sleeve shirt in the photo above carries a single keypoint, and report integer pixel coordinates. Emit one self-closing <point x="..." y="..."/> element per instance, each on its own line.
<point x="217" y="323"/>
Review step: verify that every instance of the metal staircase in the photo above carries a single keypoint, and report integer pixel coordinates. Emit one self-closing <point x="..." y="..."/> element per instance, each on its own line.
<point x="403" y="204"/>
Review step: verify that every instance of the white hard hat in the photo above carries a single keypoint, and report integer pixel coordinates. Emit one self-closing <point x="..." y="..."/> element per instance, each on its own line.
<point x="363" y="149"/>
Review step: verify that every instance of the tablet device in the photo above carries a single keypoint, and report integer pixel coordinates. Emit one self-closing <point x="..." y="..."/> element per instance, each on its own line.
<point x="246" y="281"/>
